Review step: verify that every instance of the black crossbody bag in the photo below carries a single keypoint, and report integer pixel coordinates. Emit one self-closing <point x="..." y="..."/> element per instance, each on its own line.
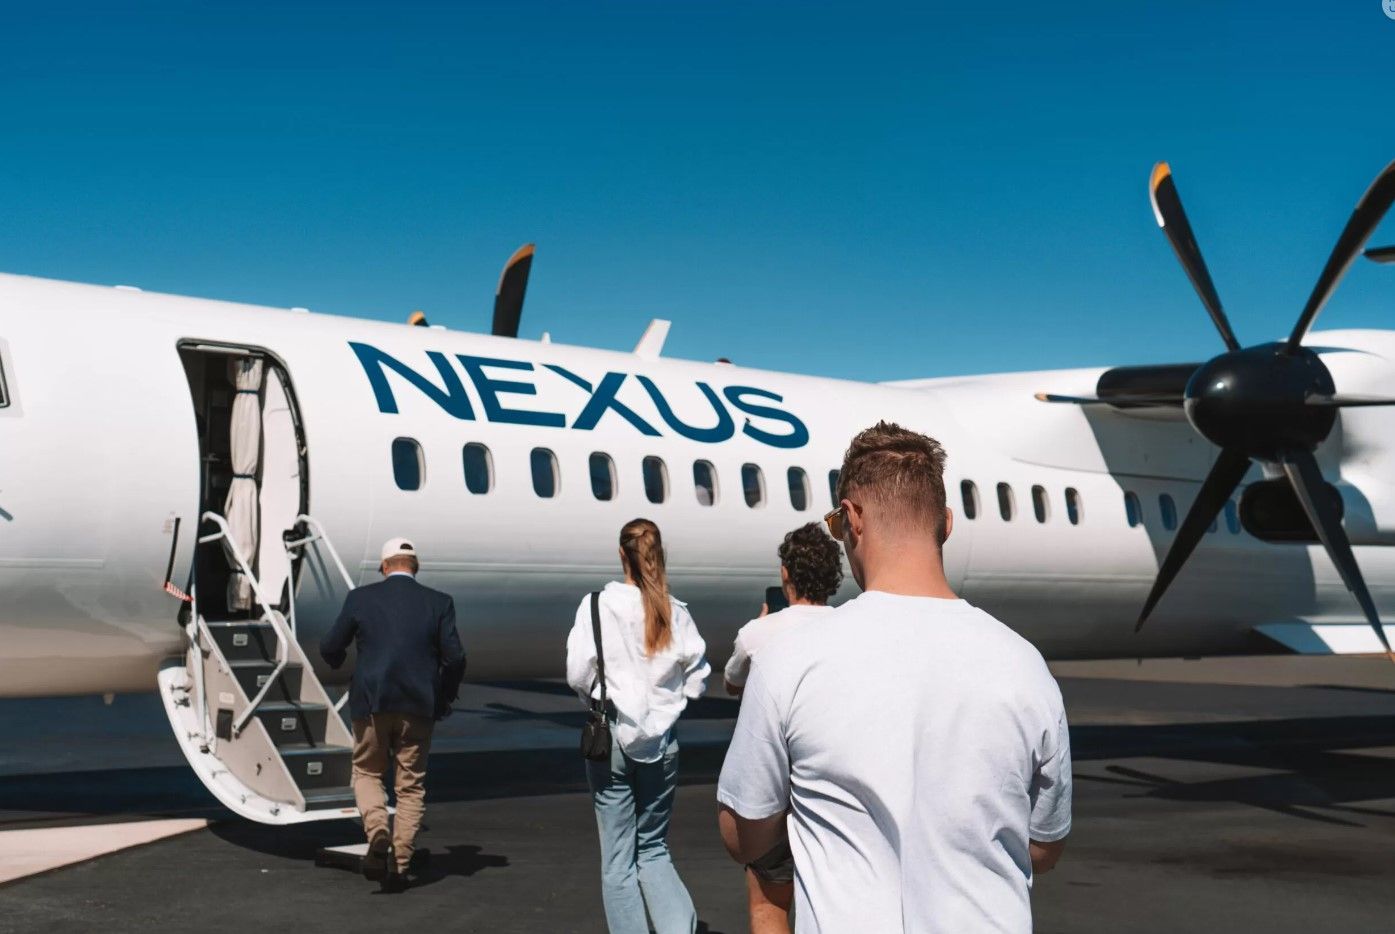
<point x="595" y="735"/>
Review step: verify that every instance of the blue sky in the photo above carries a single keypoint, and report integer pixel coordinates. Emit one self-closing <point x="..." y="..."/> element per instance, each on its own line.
<point x="857" y="190"/>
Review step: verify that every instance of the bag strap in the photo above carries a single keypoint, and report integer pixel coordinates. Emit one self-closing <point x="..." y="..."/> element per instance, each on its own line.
<point x="600" y="652"/>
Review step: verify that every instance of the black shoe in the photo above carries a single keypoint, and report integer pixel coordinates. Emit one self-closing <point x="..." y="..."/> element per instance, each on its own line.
<point x="398" y="882"/>
<point x="375" y="861"/>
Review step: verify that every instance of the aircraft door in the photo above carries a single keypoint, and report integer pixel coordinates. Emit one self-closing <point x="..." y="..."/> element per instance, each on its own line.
<point x="253" y="470"/>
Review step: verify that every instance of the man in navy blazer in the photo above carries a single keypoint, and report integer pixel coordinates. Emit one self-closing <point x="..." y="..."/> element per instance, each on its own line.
<point x="408" y="672"/>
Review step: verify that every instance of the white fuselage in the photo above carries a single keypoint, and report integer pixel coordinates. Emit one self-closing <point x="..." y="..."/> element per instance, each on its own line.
<point x="99" y="453"/>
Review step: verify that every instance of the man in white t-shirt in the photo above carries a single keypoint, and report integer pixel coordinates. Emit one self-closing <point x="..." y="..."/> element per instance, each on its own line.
<point x="811" y="570"/>
<point x="919" y="745"/>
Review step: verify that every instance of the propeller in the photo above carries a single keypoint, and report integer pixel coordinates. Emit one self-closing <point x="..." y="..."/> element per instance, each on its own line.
<point x="1167" y="208"/>
<point x="1122" y="399"/>
<point x="513" y="285"/>
<point x="1273" y="402"/>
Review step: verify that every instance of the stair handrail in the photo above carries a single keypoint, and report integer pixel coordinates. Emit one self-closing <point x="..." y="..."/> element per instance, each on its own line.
<point x="318" y="534"/>
<point x="271" y="617"/>
<point x="197" y="630"/>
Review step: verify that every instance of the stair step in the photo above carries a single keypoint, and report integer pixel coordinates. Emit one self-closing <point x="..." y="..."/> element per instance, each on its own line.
<point x="330" y="799"/>
<point x="318" y="767"/>
<point x="253" y="674"/>
<point x="289" y="723"/>
<point x="244" y="640"/>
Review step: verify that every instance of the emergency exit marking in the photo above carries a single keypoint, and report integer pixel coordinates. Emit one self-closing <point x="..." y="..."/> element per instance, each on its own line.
<point x="287" y="724"/>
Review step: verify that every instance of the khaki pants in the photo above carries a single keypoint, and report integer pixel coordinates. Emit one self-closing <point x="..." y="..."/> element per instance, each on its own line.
<point x="407" y="740"/>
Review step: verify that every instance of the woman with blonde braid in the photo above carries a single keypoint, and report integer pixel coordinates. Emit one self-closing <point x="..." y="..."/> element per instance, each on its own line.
<point x="654" y="663"/>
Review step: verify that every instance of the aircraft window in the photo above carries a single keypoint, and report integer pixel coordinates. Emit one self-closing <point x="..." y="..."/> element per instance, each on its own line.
<point x="1133" y="509"/>
<point x="655" y="479"/>
<point x="1006" y="506"/>
<point x="546" y="478"/>
<point x="1073" y="505"/>
<point x="1039" y="504"/>
<point x="479" y="468"/>
<point x="969" y="494"/>
<point x="602" y="476"/>
<point x="705" y="482"/>
<point x="1232" y="517"/>
<point x="799" y="488"/>
<point x="1169" y="511"/>
<point x="753" y="485"/>
<point x="833" y="487"/>
<point x="408" y="465"/>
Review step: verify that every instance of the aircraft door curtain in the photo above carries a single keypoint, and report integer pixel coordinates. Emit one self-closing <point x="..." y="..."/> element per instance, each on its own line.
<point x="241" y="508"/>
<point x="279" y="487"/>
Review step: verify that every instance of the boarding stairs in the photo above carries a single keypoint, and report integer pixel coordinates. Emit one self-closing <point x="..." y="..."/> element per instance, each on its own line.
<point x="254" y="721"/>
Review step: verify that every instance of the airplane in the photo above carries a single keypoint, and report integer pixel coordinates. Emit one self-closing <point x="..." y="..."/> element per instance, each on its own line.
<point x="189" y="488"/>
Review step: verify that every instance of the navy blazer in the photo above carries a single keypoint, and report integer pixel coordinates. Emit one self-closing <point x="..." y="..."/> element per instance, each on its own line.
<point x="409" y="655"/>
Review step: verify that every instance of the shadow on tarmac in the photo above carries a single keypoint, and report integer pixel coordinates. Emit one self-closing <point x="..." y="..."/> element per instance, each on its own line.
<point x="1312" y="768"/>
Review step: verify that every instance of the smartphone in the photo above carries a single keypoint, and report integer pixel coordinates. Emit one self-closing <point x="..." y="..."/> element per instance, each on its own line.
<point x="775" y="599"/>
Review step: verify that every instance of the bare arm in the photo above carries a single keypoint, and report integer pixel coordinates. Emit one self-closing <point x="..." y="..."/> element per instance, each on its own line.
<point x="1045" y="855"/>
<point x="748" y="840"/>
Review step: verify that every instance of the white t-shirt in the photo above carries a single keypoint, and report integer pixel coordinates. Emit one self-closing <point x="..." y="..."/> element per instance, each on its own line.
<point x="761" y="630"/>
<point x="649" y="692"/>
<point x="919" y="745"/>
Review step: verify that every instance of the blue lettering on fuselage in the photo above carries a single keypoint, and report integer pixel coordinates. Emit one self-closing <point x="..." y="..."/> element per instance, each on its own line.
<point x="602" y="398"/>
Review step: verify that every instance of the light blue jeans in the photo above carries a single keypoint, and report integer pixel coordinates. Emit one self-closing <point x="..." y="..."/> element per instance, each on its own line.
<point x="633" y="803"/>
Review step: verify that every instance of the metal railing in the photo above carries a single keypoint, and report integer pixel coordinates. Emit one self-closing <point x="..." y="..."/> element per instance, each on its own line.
<point x="197" y="630"/>
<point x="318" y="534"/>
<point x="276" y="621"/>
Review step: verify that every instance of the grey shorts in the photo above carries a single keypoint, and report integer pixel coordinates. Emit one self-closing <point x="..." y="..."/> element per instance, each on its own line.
<point x="776" y="866"/>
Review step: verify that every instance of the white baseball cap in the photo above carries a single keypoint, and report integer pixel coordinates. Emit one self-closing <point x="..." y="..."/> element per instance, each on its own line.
<point x="395" y="547"/>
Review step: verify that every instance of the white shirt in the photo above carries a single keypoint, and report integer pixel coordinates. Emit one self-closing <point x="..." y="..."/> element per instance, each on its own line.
<point x="920" y="744"/>
<point x="761" y="630"/>
<point x="649" y="692"/>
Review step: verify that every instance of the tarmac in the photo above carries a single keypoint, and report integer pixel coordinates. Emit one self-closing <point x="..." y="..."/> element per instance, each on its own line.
<point x="1236" y="794"/>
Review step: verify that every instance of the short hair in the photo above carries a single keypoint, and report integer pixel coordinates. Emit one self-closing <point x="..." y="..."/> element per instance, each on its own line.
<point x="404" y="562"/>
<point x="902" y="471"/>
<point x="813" y="561"/>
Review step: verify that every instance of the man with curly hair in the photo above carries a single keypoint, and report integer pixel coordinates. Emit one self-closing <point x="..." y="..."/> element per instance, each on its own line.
<point x="811" y="570"/>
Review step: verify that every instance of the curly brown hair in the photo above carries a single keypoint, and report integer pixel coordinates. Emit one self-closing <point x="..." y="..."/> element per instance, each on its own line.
<point x="814" y="562"/>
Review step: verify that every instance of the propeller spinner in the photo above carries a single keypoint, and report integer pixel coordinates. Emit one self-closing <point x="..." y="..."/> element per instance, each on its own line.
<point x="1271" y="402"/>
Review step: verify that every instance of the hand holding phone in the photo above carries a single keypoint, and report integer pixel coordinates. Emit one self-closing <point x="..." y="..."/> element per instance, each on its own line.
<point x="775" y="599"/>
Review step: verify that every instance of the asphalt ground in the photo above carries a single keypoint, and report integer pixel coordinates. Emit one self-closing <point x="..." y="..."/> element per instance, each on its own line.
<point x="1219" y="795"/>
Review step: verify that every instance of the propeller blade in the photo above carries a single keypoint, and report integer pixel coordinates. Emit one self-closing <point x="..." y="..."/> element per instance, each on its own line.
<point x="1167" y="208"/>
<point x="1225" y="476"/>
<point x="1135" y="399"/>
<point x="1364" y="218"/>
<point x="1381" y="254"/>
<point x="1302" y="470"/>
<point x="513" y="284"/>
<point x="1343" y="401"/>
